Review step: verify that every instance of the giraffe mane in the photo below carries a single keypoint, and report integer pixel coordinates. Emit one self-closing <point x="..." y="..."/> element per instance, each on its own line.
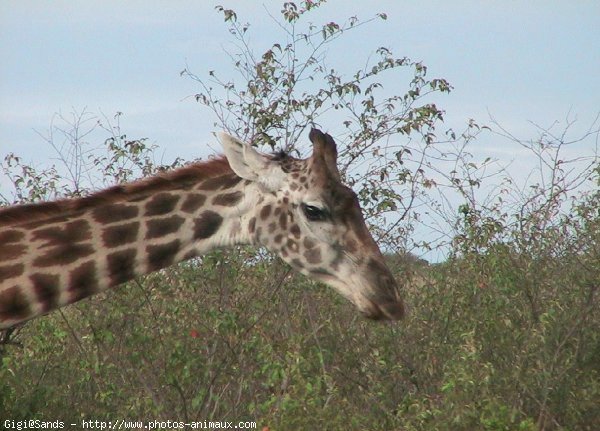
<point x="187" y="175"/>
<point x="280" y="155"/>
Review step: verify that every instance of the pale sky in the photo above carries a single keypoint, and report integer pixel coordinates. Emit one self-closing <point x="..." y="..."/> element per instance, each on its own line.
<point x="535" y="61"/>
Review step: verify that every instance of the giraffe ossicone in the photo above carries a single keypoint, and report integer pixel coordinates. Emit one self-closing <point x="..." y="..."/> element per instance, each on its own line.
<point x="56" y="253"/>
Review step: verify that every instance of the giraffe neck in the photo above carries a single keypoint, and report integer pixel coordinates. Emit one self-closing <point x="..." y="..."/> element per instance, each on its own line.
<point x="68" y="250"/>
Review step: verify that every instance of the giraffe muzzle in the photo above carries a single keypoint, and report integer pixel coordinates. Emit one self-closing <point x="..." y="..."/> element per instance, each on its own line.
<point x="393" y="310"/>
<point x="381" y="300"/>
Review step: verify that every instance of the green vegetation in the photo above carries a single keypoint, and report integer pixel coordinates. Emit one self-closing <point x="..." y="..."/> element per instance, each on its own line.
<point x="502" y="335"/>
<point x="494" y="341"/>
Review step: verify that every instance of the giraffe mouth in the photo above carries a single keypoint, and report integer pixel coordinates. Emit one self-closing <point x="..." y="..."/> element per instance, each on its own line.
<point x="383" y="311"/>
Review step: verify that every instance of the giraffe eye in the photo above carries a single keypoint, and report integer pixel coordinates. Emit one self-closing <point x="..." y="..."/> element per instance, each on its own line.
<point x="314" y="213"/>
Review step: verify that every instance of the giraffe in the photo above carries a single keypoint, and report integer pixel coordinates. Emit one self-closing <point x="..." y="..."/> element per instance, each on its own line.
<point x="56" y="253"/>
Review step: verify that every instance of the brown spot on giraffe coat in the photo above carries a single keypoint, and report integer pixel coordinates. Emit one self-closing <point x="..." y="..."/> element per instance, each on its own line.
<point x="47" y="289"/>
<point x="207" y="224"/>
<point x="114" y="236"/>
<point x="308" y="243"/>
<point x="160" y="256"/>
<point x="11" y="251"/>
<point x="11" y="271"/>
<point x="221" y="182"/>
<point x="351" y="245"/>
<point x="115" y="213"/>
<point x="252" y="225"/>
<point x="157" y="228"/>
<point x="10" y="236"/>
<point x="13" y="304"/>
<point x="283" y="219"/>
<point x="295" y="230"/>
<point x="228" y="199"/>
<point x="313" y="255"/>
<point x="160" y="204"/>
<point x="265" y="212"/>
<point x="121" y="266"/>
<point x="192" y="202"/>
<point x="83" y="281"/>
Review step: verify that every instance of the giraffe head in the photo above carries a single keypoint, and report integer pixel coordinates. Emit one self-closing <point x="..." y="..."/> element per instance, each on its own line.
<point x="305" y="215"/>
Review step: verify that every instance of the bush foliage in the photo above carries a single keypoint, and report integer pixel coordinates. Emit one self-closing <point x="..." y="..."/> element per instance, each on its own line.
<point x="504" y="334"/>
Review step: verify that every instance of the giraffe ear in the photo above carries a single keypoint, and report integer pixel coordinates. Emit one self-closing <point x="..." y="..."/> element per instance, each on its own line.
<point x="324" y="151"/>
<point x="251" y="165"/>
